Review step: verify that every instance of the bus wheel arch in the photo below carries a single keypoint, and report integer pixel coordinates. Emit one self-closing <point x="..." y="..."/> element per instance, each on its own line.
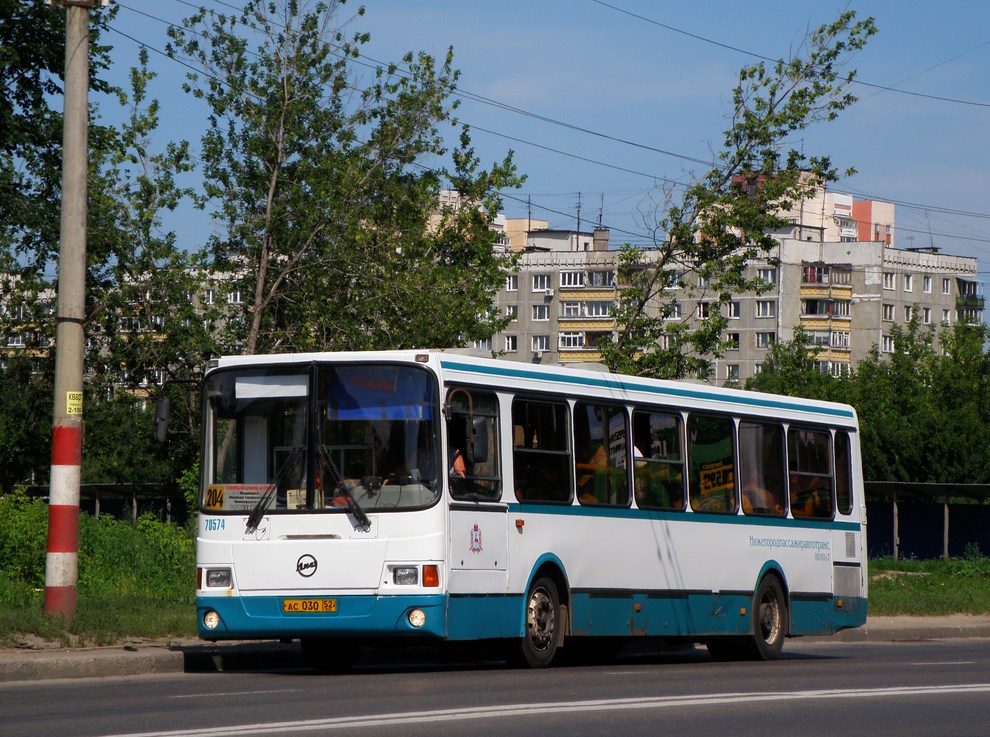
<point x="769" y="624"/>
<point x="546" y="619"/>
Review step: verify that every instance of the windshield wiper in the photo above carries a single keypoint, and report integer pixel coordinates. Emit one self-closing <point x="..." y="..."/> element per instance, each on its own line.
<point x="254" y="519"/>
<point x="352" y="503"/>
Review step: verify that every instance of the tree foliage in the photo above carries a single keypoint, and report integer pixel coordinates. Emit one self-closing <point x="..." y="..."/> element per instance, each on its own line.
<point x="924" y="408"/>
<point x="322" y="193"/>
<point x="726" y="219"/>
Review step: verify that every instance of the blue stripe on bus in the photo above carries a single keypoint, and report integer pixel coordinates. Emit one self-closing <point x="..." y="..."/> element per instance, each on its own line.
<point x="568" y="510"/>
<point x="674" y="392"/>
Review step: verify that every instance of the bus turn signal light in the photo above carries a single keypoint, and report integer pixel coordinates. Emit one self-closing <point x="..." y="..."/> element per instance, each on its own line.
<point x="431" y="576"/>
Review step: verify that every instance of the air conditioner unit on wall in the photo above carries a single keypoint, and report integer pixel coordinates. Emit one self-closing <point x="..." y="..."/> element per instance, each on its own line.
<point x="549" y="292"/>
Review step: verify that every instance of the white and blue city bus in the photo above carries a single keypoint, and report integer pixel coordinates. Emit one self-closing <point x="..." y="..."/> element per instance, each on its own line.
<point x="350" y="498"/>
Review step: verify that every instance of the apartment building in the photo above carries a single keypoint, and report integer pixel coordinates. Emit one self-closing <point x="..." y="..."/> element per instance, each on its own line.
<point x="847" y="294"/>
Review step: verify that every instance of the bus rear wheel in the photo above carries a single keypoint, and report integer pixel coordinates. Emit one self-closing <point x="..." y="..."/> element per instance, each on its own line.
<point x="769" y="625"/>
<point x="538" y="645"/>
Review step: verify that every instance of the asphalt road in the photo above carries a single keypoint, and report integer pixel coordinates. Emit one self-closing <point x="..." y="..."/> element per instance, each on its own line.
<point x="821" y="687"/>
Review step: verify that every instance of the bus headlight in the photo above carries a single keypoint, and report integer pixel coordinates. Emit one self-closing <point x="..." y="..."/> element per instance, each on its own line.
<point x="417" y="618"/>
<point x="405" y="576"/>
<point x="218" y="578"/>
<point x="211" y="620"/>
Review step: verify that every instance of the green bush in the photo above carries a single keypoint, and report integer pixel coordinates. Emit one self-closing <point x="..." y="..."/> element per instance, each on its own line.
<point x="23" y="544"/>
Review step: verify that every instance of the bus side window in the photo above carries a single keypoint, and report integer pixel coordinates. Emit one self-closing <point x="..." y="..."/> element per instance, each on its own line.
<point x="658" y="463"/>
<point x="600" y="447"/>
<point x="809" y="458"/>
<point x="472" y="445"/>
<point x="763" y="487"/>
<point x="711" y="454"/>
<point x="843" y="474"/>
<point x="541" y="457"/>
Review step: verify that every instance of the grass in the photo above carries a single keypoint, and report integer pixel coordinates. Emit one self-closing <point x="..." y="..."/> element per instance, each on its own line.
<point x="930" y="588"/>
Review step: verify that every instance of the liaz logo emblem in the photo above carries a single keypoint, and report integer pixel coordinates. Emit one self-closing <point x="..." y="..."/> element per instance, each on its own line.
<point x="476" y="539"/>
<point x="306" y="565"/>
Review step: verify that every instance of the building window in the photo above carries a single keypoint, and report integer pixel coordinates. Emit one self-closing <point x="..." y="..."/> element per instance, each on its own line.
<point x="570" y="309"/>
<point x="571" y="278"/>
<point x="601" y="278"/>
<point x="732" y="341"/>
<point x="483" y="345"/>
<point x="235" y="297"/>
<point x="908" y="282"/>
<point x="946" y="285"/>
<point x="840" y="308"/>
<point x="571" y="340"/>
<point x="512" y="283"/>
<point x="841" y="276"/>
<point x="889" y="280"/>
<point x="769" y="276"/>
<point x="907" y="313"/>
<point x="926" y="316"/>
<point x="673" y="311"/>
<point x="734" y="312"/>
<point x="511" y="343"/>
<point x="888" y="312"/>
<point x="210" y="296"/>
<point x="819" y="337"/>
<point x="765" y="340"/>
<point x="814" y="275"/>
<point x="541" y="343"/>
<point x="757" y="368"/>
<point x="887" y="344"/>
<point x="927" y="285"/>
<point x="541" y="313"/>
<point x="946" y="316"/>
<point x="512" y="312"/>
<point x="704" y="310"/>
<point x="541" y="282"/>
<point x="840" y="339"/>
<point x="599" y="309"/>
<point x="766" y="308"/>
<point x="732" y="372"/>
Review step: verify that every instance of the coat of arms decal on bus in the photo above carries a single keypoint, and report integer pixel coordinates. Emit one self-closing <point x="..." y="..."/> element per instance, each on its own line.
<point x="476" y="539"/>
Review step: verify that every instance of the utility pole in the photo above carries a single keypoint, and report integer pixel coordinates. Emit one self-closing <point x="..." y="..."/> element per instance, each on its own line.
<point x="62" y="561"/>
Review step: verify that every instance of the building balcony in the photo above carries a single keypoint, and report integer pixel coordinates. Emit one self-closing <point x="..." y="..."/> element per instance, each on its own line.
<point x="969" y="301"/>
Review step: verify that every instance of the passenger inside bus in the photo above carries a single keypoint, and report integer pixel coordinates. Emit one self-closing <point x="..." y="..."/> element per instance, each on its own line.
<point x="758" y="500"/>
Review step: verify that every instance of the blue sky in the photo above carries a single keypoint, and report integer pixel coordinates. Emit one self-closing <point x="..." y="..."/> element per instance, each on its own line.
<point x="641" y="75"/>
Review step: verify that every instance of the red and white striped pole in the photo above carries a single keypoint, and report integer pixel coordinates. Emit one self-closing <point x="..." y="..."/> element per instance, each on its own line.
<point x="61" y="563"/>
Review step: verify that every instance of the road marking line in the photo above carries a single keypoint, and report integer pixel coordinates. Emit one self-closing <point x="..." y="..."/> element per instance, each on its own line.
<point x="514" y="710"/>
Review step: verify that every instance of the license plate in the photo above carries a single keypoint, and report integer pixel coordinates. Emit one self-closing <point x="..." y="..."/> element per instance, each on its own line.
<point x="309" y="606"/>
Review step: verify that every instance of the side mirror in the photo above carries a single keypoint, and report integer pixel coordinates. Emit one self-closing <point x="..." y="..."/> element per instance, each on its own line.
<point x="162" y="407"/>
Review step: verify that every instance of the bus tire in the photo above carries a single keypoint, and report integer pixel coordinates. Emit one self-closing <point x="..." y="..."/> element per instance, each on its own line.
<point x="330" y="654"/>
<point x="538" y="645"/>
<point x="769" y="619"/>
<point x="769" y="624"/>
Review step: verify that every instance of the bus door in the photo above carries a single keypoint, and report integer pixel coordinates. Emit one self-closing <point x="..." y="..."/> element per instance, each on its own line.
<point x="478" y="518"/>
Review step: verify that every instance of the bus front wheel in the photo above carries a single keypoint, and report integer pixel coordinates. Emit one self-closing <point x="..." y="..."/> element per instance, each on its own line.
<point x="538" y="645"/>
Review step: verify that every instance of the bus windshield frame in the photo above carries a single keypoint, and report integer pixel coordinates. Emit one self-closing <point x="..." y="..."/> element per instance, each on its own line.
<point x="320" y="437"/>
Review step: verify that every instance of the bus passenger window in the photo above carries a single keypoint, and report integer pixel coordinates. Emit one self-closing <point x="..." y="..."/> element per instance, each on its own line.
<point x="761" y="468"/>
<point x="843" y="474"/>
<point x="472" y="445"/>
<point x="541" y="457"/>
<point x="658" y="464"/>
<point x="712" y="470"/>
<point x="600" y="447"/>
<point x="810" y="466"/>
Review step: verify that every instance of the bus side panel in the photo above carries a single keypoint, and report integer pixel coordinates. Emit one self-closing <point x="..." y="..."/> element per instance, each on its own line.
<point x="679" y="574"/>
<point x="481" y="616"/>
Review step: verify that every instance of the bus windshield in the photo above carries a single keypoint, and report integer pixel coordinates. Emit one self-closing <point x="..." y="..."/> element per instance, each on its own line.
<point x="304" y="439"/>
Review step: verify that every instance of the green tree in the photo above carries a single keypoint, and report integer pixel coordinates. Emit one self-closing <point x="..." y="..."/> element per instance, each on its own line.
<point x="727" y="218"/>
<point x="790" y="369"/>
<point x="326" y="205"/>
<point x="25" y="427"/>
